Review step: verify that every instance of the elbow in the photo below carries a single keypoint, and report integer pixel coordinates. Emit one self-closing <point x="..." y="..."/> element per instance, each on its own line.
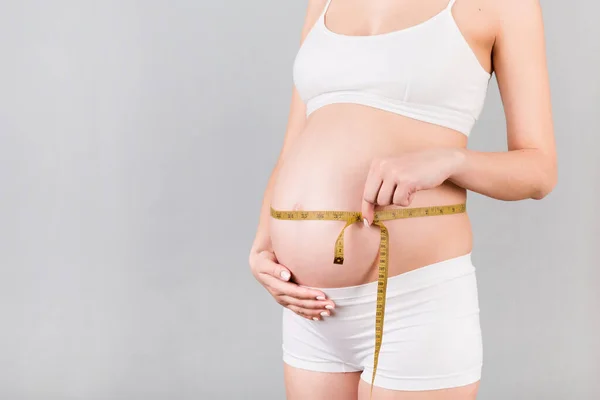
<point x="546" y="184"/>
<point x="543" y="190"/>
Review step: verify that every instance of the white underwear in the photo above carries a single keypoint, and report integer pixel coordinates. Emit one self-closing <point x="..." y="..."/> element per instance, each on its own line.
<point x="431" y="335"/>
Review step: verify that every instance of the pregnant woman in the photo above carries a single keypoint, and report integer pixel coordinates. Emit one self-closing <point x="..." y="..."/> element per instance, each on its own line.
<point x="364" y="235"/>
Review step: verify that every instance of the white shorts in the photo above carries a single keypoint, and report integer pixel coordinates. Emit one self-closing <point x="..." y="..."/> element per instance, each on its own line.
<point x="431" y="332"/>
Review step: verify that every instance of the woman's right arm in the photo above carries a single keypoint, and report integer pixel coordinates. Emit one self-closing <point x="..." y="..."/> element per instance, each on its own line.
<point x="268" y="272"/>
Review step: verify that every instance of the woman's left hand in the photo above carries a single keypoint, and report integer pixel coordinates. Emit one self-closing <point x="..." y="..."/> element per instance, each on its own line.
<point x="395" y="180"/>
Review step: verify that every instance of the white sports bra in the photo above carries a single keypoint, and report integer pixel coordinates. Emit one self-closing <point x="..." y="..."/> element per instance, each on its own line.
<point x="426" y="72"/>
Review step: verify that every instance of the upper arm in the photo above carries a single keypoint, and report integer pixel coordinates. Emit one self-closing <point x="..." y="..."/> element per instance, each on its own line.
<point x="519" y="58"/>
<point x="297" y="114"/>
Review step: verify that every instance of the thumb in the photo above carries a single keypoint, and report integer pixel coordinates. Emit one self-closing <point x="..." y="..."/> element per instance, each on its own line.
<point x="281" y="272"/>
<point x="368" y="212"/>
<point x="273" y="267"/>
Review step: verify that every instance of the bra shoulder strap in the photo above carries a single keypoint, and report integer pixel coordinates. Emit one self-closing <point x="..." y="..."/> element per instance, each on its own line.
<point x="449" y="6"/>
<point x="327" y="7"/>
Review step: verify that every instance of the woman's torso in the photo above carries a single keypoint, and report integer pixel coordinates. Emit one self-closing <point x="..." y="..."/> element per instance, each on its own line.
<point x="326" y="168"/>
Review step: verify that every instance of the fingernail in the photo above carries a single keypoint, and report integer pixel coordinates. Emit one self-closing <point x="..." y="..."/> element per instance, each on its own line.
<point x="320" y="297"/>
<point x="365" y="222"/>
<point x="325" y="314"/>
<point x="329" y="307"/>
<point x="315" y="318"/>
<point x="285" y="275"/>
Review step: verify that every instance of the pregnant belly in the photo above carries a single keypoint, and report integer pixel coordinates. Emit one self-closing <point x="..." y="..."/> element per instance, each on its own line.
<point x="326" y="169"/>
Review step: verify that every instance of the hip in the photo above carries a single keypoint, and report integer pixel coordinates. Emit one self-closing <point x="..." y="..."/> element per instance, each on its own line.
<point x="431" y="335"/>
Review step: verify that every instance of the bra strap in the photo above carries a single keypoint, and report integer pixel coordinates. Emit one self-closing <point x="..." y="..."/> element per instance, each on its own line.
<point x="327" y="7"/>
<point x="449" y="6"/>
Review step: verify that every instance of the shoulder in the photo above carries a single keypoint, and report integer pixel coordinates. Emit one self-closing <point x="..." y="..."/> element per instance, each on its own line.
<point x="514" y="14"/>
<point x="316" y="5"/>
<point x="313" y="12"/>
<point x="512" y="7"/>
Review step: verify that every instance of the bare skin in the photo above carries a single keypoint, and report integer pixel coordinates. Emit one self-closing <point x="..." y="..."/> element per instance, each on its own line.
<point x="394" y="161"/>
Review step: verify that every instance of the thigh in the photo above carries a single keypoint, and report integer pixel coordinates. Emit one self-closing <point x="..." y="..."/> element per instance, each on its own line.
<point x="302" y="384"/>
<point x="468" y="392"/>
<point x="432" y="345"/>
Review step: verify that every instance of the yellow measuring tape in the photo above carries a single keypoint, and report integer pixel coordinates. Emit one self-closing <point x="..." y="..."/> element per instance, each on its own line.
<point x="356" y="216"/>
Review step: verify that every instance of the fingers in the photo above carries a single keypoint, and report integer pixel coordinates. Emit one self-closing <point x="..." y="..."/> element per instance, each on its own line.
<point x="310" y="313"/>
<point x="368" y="212"/>
<point x="269" y="265"/>
<point x="279" y="271"/>
<point x="384" y="187"/>
<point x="409" y="198"/>
<point x="370" y="195"/>
<point x="386" y="193"/>
<point x="403" y="195"/>
<point x="278" y="288"/>
<point x="313" y="305"/>
<point x="282" y="272"/>
<point x="306" y="302"/>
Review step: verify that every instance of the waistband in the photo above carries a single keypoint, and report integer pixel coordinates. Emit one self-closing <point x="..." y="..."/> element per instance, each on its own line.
<point x="427" y="275"/>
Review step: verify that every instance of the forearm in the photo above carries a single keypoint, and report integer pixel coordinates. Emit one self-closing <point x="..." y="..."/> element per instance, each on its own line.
<point x="510" y="175"/>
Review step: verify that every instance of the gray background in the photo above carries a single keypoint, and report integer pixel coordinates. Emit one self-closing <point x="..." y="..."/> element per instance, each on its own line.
<point x="136" y="140"/>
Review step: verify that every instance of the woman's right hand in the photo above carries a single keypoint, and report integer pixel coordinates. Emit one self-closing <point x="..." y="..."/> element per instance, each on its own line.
<point x="308" y="303"/>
